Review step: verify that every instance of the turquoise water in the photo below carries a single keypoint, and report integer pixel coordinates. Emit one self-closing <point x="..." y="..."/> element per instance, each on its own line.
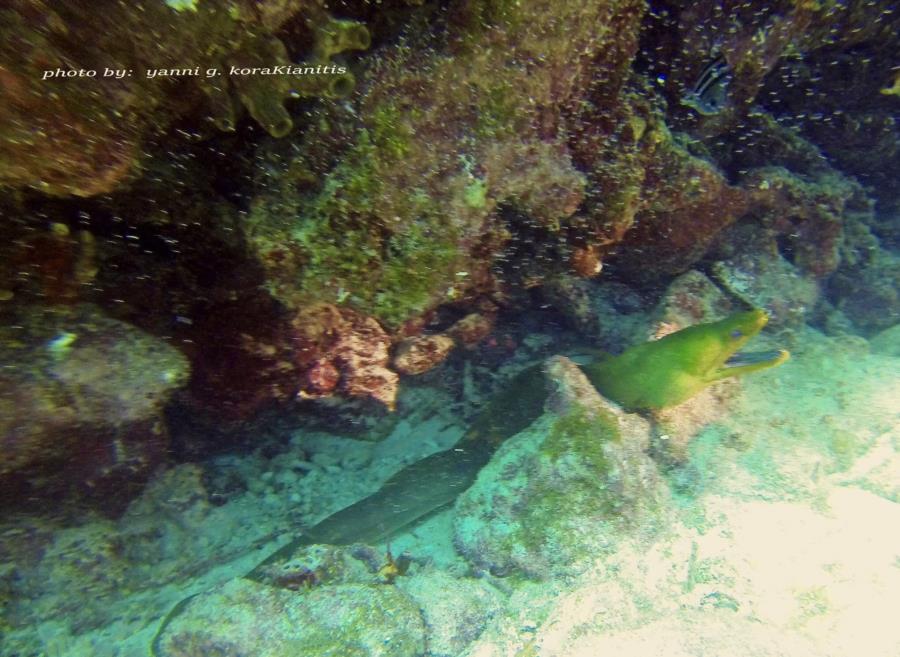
<point x="468" y="328"/>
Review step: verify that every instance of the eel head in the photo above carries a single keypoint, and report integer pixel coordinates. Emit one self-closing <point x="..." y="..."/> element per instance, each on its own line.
<point x="670" y="370"/>
<point x="721" y="355"/>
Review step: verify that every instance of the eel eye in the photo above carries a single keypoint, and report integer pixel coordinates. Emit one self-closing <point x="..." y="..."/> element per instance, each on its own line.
<point x="736" y="334"/>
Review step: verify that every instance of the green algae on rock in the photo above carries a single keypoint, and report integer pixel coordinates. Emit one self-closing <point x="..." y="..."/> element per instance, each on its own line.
<point x="565" y="490"/>
<point x="410" y="200"/>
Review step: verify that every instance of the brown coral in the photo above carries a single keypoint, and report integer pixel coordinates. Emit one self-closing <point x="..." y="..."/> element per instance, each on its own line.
<point x="420" y="354"/>
<point x="472" y="329"/>
<point x="337" y="340"/>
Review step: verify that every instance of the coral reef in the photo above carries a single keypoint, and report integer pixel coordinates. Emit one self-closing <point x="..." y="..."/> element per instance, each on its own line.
<point x="869" y="295"/>
<point x="763" y="279"/>
<point x="84" y="89"/>
<point x="506" y="155"/>
<point x="437" y="144"/>
<point x="574" y="298"/>
<point x="456" y="610"/>
<point x="418" y="355"/>
<point x="675" y="210"/>
<point x="809" y="214"/>
<point x="48" y="265"/>
<point x="691" y="298"/>
<point x="474" y="327"/>
<point x="681" y="203"/>
<point x="834" y="94"/>
<point x="315" y="599"/>
<point x="203" y="252"/>
<point x="344" y="352"/>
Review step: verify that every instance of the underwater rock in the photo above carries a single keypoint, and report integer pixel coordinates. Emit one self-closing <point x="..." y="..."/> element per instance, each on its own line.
<point x="868" y="291"/>
<point x="859" y="133"/>
<point x="343" y="352"/>
<point x="764" y="142"/>
<point x="86" y="391"/>
<point x="763" y="279"/>
<point x="621" y="314"/>
<point x="661" y="198"/>
<point x="243" y="617"/>
<point x="473" y="328"/>
<point x="455" y="610"/>
<point x="162" y="529"/>
<point x="560" y="494"/>
<point x="46" y="265"/>
<point x="400" y="216"/>
<point x="418" y="355"/>
<point x="318" y="565"/>
<point x="573" y="297"/>
<point x="689" y="299"/>
<point x="682" y="203"/>
<point x="754" y="44"/>
<point x="807" y="212"/>
<point x="675" y="427"/>
<point x="887" y="342"/>
<point x="677" y="221"/>
<point x="85" y="558"/>
<point x="248" y="335"/>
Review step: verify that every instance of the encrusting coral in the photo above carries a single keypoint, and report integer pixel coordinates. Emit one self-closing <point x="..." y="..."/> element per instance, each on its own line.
<point x="516" y="145"/>
<point x="438" y="143"/>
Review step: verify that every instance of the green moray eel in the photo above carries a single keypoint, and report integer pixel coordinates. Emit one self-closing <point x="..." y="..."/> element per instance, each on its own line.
<point x="649" y="376"/>
<point x="668" y="371"/>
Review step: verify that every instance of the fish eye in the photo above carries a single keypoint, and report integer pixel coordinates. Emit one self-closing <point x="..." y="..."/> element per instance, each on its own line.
<point x="737" y="334"/>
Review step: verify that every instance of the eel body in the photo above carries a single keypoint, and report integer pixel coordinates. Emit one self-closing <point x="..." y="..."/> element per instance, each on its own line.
<point x="435" y="481"/>
<point x="649" y="376"/>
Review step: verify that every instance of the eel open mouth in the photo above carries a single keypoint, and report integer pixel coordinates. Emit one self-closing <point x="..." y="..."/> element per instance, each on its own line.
<point x="742" y="358"/>
<point x="756" y="359"/>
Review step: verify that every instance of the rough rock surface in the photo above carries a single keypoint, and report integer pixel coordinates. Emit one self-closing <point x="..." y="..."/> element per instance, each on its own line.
<point x="562" y="492"/>
<point x="768" y="281"/>
<point x="88" y="391"/>
<point x="420" y="354"/>
<point x="455" y="610"/>
<point x="246" y="618"/>
<point x="345" y="352"/>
